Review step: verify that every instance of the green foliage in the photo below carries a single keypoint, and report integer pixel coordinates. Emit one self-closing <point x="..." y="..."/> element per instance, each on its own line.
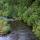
<point x="6" y="9"/>
<point x="4" y="26"/>
<point x="30" y="14"/>
<point x="26" y="10"/>
<point x="36" y="29"/>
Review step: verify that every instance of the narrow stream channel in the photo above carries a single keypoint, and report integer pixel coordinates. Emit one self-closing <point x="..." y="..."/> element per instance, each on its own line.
<point x="25" y="33"/>
<point x="22" y="32"/>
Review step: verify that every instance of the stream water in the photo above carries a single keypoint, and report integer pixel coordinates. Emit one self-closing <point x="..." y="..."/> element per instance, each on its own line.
<point x="22" y="32"/>
<point x="11" y="36"/>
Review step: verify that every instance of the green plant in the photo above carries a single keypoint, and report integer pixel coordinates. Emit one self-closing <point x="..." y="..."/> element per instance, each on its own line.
<point x="4" y="26"/>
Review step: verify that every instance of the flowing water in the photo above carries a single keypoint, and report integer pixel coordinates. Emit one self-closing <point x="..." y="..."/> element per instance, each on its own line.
<point x="25" y="33"/>
<point x="22" y="32"/>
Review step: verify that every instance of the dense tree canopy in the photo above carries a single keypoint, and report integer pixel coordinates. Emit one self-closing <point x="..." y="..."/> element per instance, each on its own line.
<point x="26" y="10"/>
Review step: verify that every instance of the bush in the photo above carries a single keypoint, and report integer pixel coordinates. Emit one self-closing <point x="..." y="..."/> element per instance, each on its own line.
<point x="4" y="26"/>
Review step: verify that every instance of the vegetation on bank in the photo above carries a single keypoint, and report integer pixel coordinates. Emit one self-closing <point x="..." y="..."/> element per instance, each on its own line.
<point x="26" y="10"/>
<point x="4" y="26"/>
